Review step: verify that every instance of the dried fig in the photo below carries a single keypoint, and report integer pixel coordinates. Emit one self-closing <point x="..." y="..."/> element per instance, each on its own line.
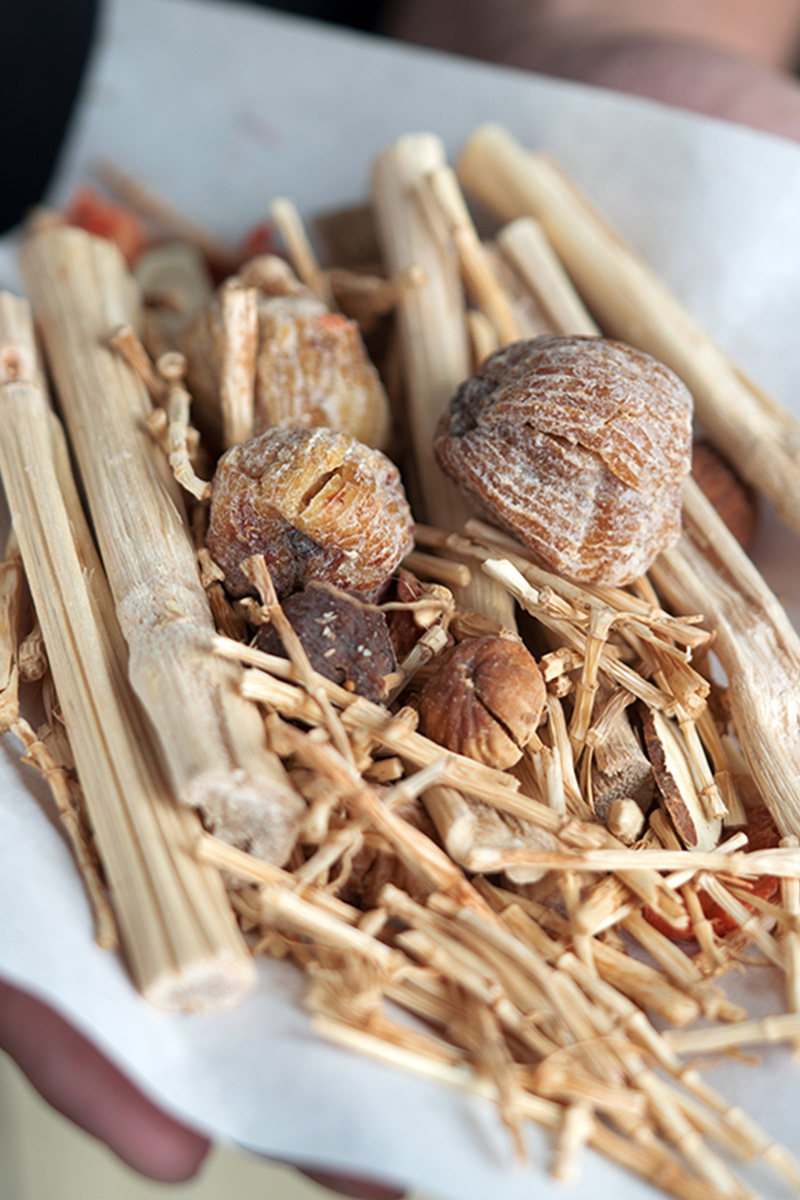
<point x="577" y="445"/>
<point x="316" y="504"/>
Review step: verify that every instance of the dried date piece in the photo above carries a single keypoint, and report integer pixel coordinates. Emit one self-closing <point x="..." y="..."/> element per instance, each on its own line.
<point x="317" y="505"/>
<point x="485" y="700"/>
<point x="577" y="445"/>
<point x="345" y="640"/>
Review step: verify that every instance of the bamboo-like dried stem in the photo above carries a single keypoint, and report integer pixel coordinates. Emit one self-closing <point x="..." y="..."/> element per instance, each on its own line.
<point x="631" y="303"/>
<point x="785" y="1027"/>
<point x="239" y="317"/>
<point x="524" y="244"/>
<point x="212" y="740"/>
<point x="476" y="267"/>
<point x="180" y="937"/>
<point x="431" y="318"/>
<point x="755" y="643"/>
<point x="12" y="591"/>
<point x="290" y="226"/>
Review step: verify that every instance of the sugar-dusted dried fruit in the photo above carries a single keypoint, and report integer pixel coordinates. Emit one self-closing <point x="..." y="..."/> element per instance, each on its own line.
<point x="345" y="639"/>
<point x="577" y="445"/>
<point x="311" y="365"/>
<point x="484" y="700"/>
<point x="316" y="504"/>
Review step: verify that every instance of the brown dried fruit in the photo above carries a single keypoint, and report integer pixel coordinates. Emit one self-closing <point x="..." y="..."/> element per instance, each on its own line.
<point x="484" y="700"/>
<point x="316" y="504"/>
<point x="345" y="640"/>
<point x="577" y="445"/>
<point x="735" y="501"/>
<point x="311" y="365"/>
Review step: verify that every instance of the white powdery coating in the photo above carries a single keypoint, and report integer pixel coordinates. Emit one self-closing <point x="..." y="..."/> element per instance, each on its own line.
<point x="578" y="446"/>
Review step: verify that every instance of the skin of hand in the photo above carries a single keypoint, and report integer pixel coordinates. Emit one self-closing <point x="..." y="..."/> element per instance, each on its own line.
<point x="725" y="58"/>
<point x="79" y="1082"/>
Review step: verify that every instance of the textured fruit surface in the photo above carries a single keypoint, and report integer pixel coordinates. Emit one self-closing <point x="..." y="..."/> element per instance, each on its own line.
<point x="484" y="700"/>
<point x="316" y="504"/>
<point x="577" y="445"/>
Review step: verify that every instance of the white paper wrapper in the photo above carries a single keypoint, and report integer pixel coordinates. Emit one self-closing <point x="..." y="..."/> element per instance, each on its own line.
<point x="221" y="108"/>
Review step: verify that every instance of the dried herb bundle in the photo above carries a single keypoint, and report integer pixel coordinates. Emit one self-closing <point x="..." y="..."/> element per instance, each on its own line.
<point x="651" y="804"/>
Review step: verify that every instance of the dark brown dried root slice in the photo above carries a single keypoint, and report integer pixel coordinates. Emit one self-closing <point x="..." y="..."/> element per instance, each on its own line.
<point x="677" y="784"/>
<point x="484" y="700"/>
<point x="317" y="504"/>
<point x="579" y="446"/>
<point x="345" y="640"/>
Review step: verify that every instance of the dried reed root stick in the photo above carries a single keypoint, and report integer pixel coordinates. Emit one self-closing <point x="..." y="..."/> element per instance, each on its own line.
<point x="632" y="304"/>
<point x="12" y="592"/>
<point x="212" y="741"/>
<point x="239" y="316"/>
<point x="433" y="332"/>
<point x="757" y="646"/>
<point x="290" y="226"/>
<point x="183" y="946"/>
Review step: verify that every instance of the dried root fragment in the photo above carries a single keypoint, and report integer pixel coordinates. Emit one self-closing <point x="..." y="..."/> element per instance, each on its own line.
<point x="345" y="640"/>
<point x="484" y="700"/>
<point x="577" y="445"/>
<point x="317" y="505"/>
<point x="677" y="783"/>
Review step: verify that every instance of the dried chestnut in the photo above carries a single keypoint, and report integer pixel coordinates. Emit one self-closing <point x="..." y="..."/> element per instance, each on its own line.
<point x="345" y="640"/>
<point x="577" y="445"/>
<point x="316" y="504"/>
<point x="484" y="700"/>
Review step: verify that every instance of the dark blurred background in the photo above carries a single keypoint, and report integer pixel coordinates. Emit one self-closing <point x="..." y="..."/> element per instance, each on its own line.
<point x="46" y="44"/>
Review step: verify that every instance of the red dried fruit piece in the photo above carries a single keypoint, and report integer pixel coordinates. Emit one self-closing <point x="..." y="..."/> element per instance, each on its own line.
<point x="90" y="210"/>
<point x="345" y="640"/>
<point x="762" y="834"/>
<point x="317" y="505"/>
<point x="577" y="445"/>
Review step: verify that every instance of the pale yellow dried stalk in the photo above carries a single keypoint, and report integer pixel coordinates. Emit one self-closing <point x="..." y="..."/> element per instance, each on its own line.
<point x="180" y="937"/>
<point x="212" y="740"/>
<point x="12" y="592"/>
<point x="239" y="319"/>
<point x="127" y="342"/>
<point x="290" y="226"/>
<point x="432" y="330"/>
<point x="476" y="267"/>
<point x="755" y="643"/>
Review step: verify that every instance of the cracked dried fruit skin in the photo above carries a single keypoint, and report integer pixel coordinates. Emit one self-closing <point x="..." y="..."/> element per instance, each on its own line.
<point x="485" y="700"/>
<point x="577" y="445"/>
<point x="316" y="504"/>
